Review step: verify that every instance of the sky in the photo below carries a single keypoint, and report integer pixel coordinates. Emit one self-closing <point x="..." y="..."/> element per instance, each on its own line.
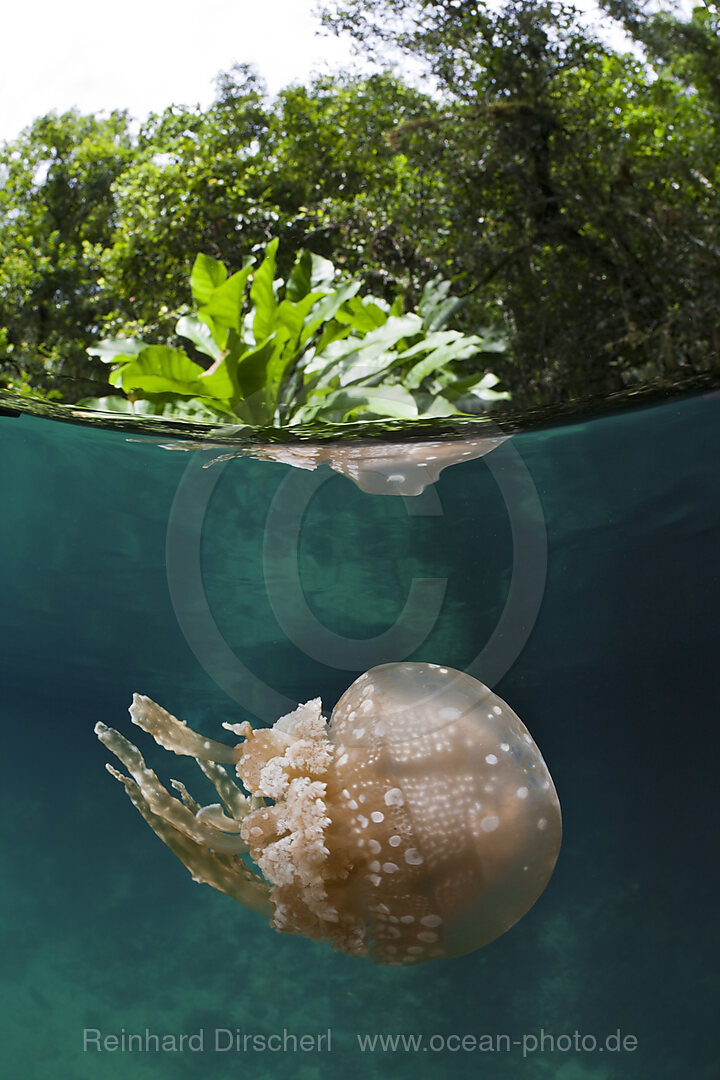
<point x="142" y="55"/>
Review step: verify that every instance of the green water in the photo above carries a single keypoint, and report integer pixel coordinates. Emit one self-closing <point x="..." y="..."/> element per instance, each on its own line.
<point x="128" y="567"/>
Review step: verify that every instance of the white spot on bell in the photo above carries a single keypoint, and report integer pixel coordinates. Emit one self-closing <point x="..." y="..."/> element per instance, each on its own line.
<point x="394" y="797"/>
<point x="431" y="920"/>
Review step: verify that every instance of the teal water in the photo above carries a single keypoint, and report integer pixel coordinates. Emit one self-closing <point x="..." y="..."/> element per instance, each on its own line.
<point x="127" y="567"/>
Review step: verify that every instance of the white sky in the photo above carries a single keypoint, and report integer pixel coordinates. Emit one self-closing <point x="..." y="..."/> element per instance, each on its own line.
<point x="142" y="55"/>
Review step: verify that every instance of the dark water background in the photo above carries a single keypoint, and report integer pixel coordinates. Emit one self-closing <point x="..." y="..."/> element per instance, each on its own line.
<point x="103" y="928"/>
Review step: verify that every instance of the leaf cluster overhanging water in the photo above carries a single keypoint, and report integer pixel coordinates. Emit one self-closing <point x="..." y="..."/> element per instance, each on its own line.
<point x="308" y="350"/>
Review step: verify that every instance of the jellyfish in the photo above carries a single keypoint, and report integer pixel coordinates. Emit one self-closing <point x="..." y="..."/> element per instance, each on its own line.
<point x="421" y="822"/>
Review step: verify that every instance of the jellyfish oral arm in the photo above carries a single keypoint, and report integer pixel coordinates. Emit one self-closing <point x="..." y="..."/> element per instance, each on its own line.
<point x="173" y="734"/>
<point x="205" y="840"/>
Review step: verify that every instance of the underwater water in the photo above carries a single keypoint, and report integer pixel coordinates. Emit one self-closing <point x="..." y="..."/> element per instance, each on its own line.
<point x="574" y="568"/>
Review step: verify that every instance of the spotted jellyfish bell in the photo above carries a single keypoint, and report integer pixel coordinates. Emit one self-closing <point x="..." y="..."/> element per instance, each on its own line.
<point x="421" y="823"/>
<point x="466" y="827"/>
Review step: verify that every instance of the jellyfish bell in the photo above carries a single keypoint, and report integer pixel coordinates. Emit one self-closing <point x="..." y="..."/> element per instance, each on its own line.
<point x="420" y="823"/>
<point x="459" y="779"/>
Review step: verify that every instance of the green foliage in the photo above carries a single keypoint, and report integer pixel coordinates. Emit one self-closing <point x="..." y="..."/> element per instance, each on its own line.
<point x="55" y="216"/>
<point x="308" y="349"/>
<point x="568" y="192"/>
<point x="687" y="49"/>
<point x="314" y="169"/>
<point x="576" y="187"/>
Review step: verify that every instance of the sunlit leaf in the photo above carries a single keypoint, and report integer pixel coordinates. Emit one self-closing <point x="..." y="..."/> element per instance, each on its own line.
<point x="160" y="369"/>
<point x="262" y="294"/>
<point x="207" y="273"/>
<point x="225" y="304"/>
<point x="197" y="331"/>
<point x="381" y="401"/>
<point x="458" y="349"/>
<point x="112" y="349"/>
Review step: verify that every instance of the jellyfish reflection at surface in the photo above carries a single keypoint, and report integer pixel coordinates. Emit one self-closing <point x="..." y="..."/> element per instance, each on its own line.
<point x="378" y="468"/>
<point x="420" y="823"/>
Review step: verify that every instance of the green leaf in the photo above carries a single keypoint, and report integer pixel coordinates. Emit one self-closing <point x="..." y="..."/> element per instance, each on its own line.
<point x="494" y="340"/>
<point x="197" y="331"/>
<point x="220" y="382"/>
<point x="262" y="294"/>
<point x="259" y="372"/>
<point x="332" y="332"/>
<point x="382" y="401"/>
<point x="440" y="406"/>
<point x="372" y="354"/>
<point x="323" y="273"/>
<point x="482" y="388"/>
<point x="479" y="386"/>
<point x="207" y="274"/>
<point x="327" y="308"/>
<point x="311" y="273"/>
<point x="436" y="306"/>
<point x="332" y="355"/>
<point x="364" y="315"/>
<point x="160" y="369"/>
<point x="294" y="316"/>
<point x="299" y="283"/>
<point x="224" y="308"/>
<point x="111" y="349"/>
<point x="459" y="348"/>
